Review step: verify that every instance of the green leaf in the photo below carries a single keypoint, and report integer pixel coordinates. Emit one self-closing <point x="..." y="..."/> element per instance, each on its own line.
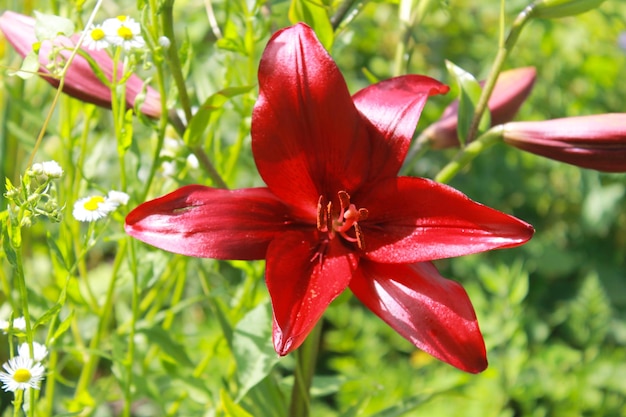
<point x="253" y="348"/>
<point x="200" y="120"/>
<point x="64" y="325"/>
<point x="469" y="94"/>
<point x="126" y="138"/>
<point x="173" y="350"/>
<point x="315" y="14"/>
<point x="49" y="26"/>
<point x="232" y="409"/>
<point x="48" y="315"/>
<point x="56" y="251"/>
<point x="29" y="67"/>
<point x="232" y="41"/>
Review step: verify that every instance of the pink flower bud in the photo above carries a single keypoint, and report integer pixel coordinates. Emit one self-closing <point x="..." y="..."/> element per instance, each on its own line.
<point x="596" y="142"/>
<point x="510" y="91"/>
<point x="81" y="82"/>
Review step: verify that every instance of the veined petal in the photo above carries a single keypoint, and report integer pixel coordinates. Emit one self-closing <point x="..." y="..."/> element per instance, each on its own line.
<point x="212" y="223"/>
<point x="308" y="139"/>
<point x="433" y="313"/>
<point x="303" y="277"/>
<point x="415" y="220"/>
<point x="394" y="107"/>
<point x="595" y="141"/>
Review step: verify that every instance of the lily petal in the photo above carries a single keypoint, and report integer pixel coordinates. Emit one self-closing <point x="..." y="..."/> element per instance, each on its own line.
<point x="416" y="219"/>
<point x="308" y="139"/>
<point x="211" y="223"/>
<point x="433" y="313"/>
<point x="394" y="107"/>
<point x="595" y="141"/>
<point x="303" y="277"/>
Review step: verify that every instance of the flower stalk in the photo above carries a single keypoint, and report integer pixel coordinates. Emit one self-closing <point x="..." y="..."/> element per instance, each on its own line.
<point x="496" y="68"/>
<point x="306" y="359"/>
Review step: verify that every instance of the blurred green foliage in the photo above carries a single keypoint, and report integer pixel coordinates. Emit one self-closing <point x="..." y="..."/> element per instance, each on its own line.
<point x="553" y="312"/>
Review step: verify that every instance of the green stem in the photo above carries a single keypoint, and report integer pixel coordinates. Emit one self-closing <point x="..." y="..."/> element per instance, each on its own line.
<point x="204" y="161"/>
<point x="496" y="68"/>
<point x="88" y="370"/>
<point x="341" y="13"/>
<point x="467" y="154"/>
<point x="21" y="284"/>
<point x="306" y="358"/>
<point x="167" y="9"/>
<point x="128" y="392"/>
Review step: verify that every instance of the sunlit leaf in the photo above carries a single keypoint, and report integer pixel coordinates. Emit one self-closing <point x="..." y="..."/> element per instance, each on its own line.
<point x="469" y="94"/>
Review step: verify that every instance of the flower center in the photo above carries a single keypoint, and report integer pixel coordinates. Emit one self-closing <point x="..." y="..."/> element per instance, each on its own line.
<point x="93" y="203"/>
<point x="22" y="375"/>
<point x="125" y="33"/>
<point x="97" y="34"/>
<point x="343" y="221"/>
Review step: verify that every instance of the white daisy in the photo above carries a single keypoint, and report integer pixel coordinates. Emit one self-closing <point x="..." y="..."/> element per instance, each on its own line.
<point x="123" y="31"/>
<point x="92" y="208"/>
<point x="18" y="324"/>
<point x="95" y="39"/>
<point x="47" y="169"/>
<point x="119" y="198"/>
<point x="39" y="351"/>
<point x="21" y="373"/>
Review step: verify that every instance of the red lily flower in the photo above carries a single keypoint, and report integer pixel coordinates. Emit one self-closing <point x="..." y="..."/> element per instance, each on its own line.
<point x="81" y="82"/>
<point x="510" y="92"/>
<point x="596" y="141"/>
<point x="334" y="213"/>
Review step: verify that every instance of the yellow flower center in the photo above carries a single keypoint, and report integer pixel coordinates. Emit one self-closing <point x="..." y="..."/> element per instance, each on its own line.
<point x="22" y="375"/>
<point x="122" y="18"/>
<point x="125" y="33"/>
<point x="93" y="203"/>
<point x="97" y="34"/>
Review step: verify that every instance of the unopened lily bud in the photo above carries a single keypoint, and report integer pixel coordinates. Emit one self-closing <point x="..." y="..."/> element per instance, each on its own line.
<point x="81" y="81"/>
<point x="595" y="142"/>
<point x="551" y="9"/>
<point x="511" y="90"/>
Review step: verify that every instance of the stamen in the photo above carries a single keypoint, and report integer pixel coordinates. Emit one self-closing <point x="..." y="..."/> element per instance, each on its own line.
<point x="322" y="219"/>
<point x="341" y="223"/>
<point x="344" y="200"/>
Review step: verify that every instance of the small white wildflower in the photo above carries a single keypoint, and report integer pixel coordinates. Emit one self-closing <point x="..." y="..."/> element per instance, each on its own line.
<point x="48" y="169"/>
<point x="92" y="208"/>
<point x="18" y="324"/>
<point x="165" y="42"/>
<point x="123" y="31"/>
<point x="118" y="198"/>
<point x="169" y="169"/>
<point x="192" y="161"/>
<point x="39" y="351"/>
<point x="21" y="373"/>
<point x="95" y="39"/>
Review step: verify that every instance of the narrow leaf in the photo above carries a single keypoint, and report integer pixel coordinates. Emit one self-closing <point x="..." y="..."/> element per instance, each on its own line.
<point x="469" y="94"/>
<point x="200" y="120"/>
<point x="315" y="14"/>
